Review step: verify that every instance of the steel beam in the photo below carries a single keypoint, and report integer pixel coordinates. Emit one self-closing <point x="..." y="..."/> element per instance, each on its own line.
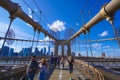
<point x="15" y="11"/>
<point x="106" y="11"/>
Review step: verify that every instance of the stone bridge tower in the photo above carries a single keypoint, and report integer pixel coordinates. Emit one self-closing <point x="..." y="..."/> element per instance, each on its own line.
<point x="62" y="43"/>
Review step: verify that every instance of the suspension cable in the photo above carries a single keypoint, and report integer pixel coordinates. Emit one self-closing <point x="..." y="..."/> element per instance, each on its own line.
<point x="33" y="39"/>
<point x="49" y="47"/>
<point x="30" y="8"/>
<point x="79" y="45"/>
<point x="16" y="45"/>
<point x="44" y="44"/>
<point x="115" y="33"/>
<point x="38" y="39"/>
<point x="90" y="44"/>
<point x="11" y="20"/>
<point x="35" y="13"/>
<point x="86" y="45"/>
<point x="41" y="13"/>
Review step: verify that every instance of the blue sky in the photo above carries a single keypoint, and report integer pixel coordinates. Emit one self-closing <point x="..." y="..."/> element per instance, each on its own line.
<point x="60" y="15"/>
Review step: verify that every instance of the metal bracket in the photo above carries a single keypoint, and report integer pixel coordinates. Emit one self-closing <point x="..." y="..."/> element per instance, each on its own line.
<point x="104" y="13"/>
<point x="13" y="14"/>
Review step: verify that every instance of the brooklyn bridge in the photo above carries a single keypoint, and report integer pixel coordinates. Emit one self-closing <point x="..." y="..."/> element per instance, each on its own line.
<point x="86" y="30"/>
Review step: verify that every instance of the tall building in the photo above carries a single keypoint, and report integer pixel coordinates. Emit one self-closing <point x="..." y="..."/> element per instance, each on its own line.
<point x="79" y="54"/>
<point x="41" y="51"/>
<point x="15" y="54"/>
<point x="73" y="53"/>
<point x="44" y="51"/>
<point x="48" y="50"/>
<point x="5" y="51"/>
<point x="103" y="55"/>
<point x="26" y="51"/>
<point x="37" y="52"/>
<point x="11" y="51"/>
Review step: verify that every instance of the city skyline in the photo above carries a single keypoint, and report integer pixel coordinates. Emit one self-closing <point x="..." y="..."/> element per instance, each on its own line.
<point x="10" y="52"/>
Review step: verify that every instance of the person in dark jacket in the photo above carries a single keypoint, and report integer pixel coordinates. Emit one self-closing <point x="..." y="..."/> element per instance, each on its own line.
<point x="70" y="64"/>
<point x="32" y="68"/>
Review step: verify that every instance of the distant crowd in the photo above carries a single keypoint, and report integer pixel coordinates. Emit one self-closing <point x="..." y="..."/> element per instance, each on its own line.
<point x="44" y="66"/>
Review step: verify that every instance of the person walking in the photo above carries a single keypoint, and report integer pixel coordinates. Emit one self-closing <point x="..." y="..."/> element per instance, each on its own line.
<point x="58" y="61"/>
<point x="43" y="74"/>
<point x="32" y="68"/>
<point x="51" y="64"/>
<point x="62" y="62"/>
<point x="70" y="64"/>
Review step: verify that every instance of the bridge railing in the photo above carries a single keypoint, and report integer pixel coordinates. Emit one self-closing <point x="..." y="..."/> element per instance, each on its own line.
<point x="17" y="60"/>
<point x="88" y="70"/>
<point x="15" y="67"/>
<point x="12" y="72"/>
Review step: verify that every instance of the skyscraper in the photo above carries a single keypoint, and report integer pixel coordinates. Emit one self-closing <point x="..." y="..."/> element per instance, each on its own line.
<point x="41" y="51"/>
<point x="37" y="52"/>
<point x="48" y="50"/>
<point x="11" y="51"/>
<point x="5" y="51"/>
<point x="103" y="55"/>
<point x="44" y="51"/>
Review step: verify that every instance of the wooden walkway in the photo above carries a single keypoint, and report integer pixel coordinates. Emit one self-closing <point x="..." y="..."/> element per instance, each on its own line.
<point x="63" y="74"/>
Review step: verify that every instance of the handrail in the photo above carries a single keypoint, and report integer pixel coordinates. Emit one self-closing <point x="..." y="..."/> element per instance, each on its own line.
<point x="90" y="71"/>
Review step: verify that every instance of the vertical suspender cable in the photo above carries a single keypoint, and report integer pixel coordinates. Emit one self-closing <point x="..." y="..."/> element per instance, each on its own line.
<point x="115" y="33"/>
<point x="90" y="45"/>
<point x="11" y="20"/>
<point x="79" y="45"/>
<point x="86" y="46"/>
<point x="44" y="45"/>
<point x="33" y="40"/>
<point x="38" y="38"/>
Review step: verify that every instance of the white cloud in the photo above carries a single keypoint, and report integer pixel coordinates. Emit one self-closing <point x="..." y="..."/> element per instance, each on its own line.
<point x="97" y="45"/>
<point x="77" y="24"/>
<point x="29" y="12"/>
<point x="57" y="26"/>
<point x="107" y="47"/>
<point x="30" y="15"/>
<point x="40" y="47"/>
<point x="3" y="29"/>
<point x="47" y="39"/>
<point x="103" y="34"/>
<point x="1" y="42"/>
<point x="18" y="32"/>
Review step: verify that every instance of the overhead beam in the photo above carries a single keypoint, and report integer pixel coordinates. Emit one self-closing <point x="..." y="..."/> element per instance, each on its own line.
<point x="107" y="11"/>
<point x="15" y="11"/>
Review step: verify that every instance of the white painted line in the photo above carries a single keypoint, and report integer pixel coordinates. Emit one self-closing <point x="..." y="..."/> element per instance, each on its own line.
<point x="60" y="75"/>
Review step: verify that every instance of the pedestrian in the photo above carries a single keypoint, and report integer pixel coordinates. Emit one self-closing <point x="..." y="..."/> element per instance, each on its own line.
<point x="70" y="64"/>
<point x="62" y="62"/>
<point x="58" y="61"/>
<point x="55" y="61"/>
<point x="43" y="74"/>
<point x="32" y="68"/>
<point x="51" y="64"/>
